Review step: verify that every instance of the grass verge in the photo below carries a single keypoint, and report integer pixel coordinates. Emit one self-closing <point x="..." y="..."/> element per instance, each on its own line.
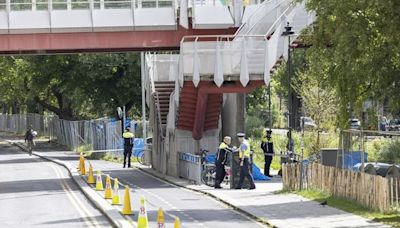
<point x="353" y="207"/>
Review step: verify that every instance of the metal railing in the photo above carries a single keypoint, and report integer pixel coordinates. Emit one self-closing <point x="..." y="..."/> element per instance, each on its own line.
<point x="89" y="4"/>
<point x="84" y="135"/>
<point x="258" y="42"/>
<point x="154" y="93"/>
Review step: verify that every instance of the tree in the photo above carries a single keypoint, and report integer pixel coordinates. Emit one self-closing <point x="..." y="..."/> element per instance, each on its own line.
<point x="72" y="86"/>
<point x="356" y="44"/>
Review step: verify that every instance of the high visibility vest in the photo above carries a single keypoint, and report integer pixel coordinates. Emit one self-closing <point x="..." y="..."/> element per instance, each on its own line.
<point x="128" y="138"/>
<point x="244" y="150"/>
<point x="128" y="135"/>
<point x="223" y="146"/>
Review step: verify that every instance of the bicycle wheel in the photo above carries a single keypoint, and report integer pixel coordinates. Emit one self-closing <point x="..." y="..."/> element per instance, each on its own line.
<point x="208" y="177"/>
<point x="140" y="158"/>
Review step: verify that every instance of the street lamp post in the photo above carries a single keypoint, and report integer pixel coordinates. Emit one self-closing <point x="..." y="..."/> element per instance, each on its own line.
<point x="302" y="152"/>
<point x="288" y="32"/>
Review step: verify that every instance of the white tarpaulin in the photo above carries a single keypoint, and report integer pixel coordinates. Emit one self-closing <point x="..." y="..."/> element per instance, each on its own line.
<point x="196" y="62"/>
<point x="244" y="70"/>
<point x="218" y="71"/>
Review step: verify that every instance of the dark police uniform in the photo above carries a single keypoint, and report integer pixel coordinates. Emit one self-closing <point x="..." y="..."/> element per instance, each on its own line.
<point x="220" y="161"/>
<point x="268" y="148"/>
<point x="128" y="145"/>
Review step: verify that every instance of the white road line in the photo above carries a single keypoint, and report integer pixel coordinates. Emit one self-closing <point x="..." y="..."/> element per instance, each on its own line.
<point x="82" y="209"/>
<point x="211" y="198"/>
<point x="198" y="223"/>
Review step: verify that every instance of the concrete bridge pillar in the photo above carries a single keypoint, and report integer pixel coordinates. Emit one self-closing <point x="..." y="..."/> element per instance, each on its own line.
<point x="233" y="115"/>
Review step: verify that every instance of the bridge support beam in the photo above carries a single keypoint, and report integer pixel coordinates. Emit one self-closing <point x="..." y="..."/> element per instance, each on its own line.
<point x="233" y="115"/>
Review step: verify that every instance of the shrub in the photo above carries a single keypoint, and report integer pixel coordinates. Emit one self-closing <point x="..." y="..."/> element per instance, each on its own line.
<point x="254" y="127"/>
<point x="390" y="152"/>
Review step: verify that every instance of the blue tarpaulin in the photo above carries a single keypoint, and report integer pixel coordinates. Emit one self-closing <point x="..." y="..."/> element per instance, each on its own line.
<point x="352" y="158"/>
<point x="257" y="175"/>
<point x="138" y="146"/>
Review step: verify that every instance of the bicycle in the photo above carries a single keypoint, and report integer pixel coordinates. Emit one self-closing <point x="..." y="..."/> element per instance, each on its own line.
<point x="208" y="173"/>
<point x="30" y="145"/>
<point x="139" y="155"/>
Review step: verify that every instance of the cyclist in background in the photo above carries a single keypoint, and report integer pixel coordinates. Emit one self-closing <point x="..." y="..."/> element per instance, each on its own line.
<point x="29" y="135"/>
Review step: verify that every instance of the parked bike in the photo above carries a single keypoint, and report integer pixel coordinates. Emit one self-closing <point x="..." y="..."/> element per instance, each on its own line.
<point x="208" y="172"/>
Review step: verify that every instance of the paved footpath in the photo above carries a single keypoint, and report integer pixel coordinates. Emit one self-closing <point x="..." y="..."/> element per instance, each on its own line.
<point x="196" y="209"/>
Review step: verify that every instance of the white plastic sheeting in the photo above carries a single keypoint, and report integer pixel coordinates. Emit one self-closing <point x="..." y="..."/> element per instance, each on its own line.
<point x="250" y="54"/>
<point x="218" y="67"/>
<point x="196" y="66"/>
<point x="211" y="17"/>
<point x="183" y="12"/>
<point x="227" y="57"/>
<point x="88" y="16"/>
<point x="244" y="71"/>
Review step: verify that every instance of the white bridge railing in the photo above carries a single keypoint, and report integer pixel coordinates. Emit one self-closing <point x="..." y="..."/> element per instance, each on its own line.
<point x="250" y="54"/>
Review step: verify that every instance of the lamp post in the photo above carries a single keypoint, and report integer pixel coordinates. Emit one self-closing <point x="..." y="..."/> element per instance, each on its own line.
<point x="269" y="106"/>
<point x="302" y="152"/>
<point x="288" y="32"/>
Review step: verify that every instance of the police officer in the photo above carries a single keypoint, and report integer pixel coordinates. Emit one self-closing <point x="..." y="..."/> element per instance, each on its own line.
<point x="268" y="147"/>
<point x="244" y="156"/>
<point x="128" y="145"/>
<point x="220" y="161"/>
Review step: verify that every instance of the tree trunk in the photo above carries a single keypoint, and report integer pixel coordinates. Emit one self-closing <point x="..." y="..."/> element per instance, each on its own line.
<point x="5" y="108"/>
<point x="15" y="108"/>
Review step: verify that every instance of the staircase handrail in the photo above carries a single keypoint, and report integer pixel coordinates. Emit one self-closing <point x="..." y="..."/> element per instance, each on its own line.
<point x="157" y="101"/>
<point x="251" y="15"/>
<point x="196" y="38"/>
<point x="160" y="129"/>
<point x="289" y="6"/>
<point x="279" y="19"/>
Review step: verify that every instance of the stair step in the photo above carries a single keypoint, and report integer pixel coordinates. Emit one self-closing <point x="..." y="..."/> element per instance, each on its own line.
<point x="162" y="90"/>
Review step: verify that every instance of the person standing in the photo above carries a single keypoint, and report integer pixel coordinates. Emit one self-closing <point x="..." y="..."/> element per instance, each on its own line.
<point x="220" y="161"/>
<point x="244" y="156"/>
<point x="29" y="135"/>
<point x="268" y="147"/>
<point x="128" y="145"/>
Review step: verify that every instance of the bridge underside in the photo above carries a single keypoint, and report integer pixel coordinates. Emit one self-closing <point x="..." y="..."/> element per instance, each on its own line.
<point x="58" y="43"/>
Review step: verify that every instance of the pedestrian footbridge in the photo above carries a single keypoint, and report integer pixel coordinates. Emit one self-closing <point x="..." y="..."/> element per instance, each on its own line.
<point x="189" y="93"/>
<point x="56" y="26"/>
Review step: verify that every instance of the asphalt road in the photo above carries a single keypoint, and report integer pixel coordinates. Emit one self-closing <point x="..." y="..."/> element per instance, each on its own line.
<point x="193" y="209"/>
<point x="37" y="193"/>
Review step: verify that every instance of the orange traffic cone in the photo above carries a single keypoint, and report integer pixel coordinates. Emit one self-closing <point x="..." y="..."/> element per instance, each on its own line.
<point x="115" y="197"/>
<point x="99" y="181"/>
<point x="143" y="222"/>
<point x="108" y="191"/>
<point x="160" y="219"/>
<point x="126" y="210"/>
<point x="80" y="162"/>
<point x="177" y="223"/>
<point x="83" y="169"/>
<point x="90" y="176"/>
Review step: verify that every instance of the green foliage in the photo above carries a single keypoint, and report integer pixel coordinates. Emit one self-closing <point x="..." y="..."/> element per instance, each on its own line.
<point x="355" y="46"/>
<point x="254" y="126"/>
<point x="390" y="152"/>
<point x="373" y="147"/>
<point x="72" y="86"/>
<point x="327" y="140"/>
<point x="351" y="206"/>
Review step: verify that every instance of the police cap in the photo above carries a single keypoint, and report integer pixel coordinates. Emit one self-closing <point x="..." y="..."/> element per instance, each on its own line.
<point x="241" y="134"/>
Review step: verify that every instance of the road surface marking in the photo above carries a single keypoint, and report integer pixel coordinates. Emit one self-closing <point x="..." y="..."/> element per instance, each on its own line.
<point x="83" y="211"/>
<point x="211" y="198"/>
